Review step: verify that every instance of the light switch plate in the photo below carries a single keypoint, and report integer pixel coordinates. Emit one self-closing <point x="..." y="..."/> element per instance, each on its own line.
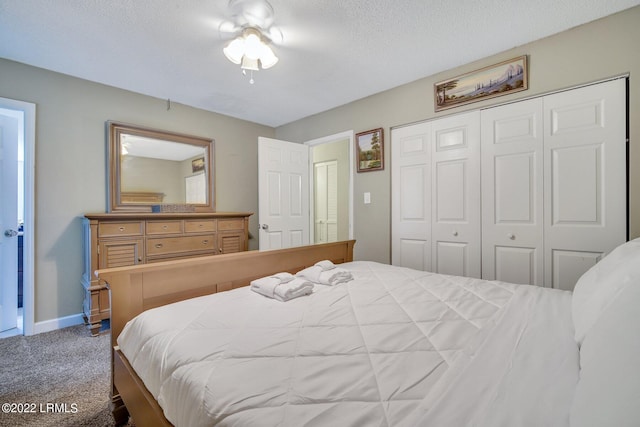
<point x="367" y="198"/>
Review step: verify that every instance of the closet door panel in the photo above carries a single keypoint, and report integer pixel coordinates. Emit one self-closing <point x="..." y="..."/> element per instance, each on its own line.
<point x="585" y="178"/>
<point x="570" y="265"/>
<point x="512" y="183"/>
<point x="411" y="196"/>
<point x="413" y="254"/>
<point x="516" y="265"/>
<point x="577" y="185"/>
<point x="452" y="258"/>
<point x="455" y="227"/>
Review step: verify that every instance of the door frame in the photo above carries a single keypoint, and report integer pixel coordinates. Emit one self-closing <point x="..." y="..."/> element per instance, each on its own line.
<point x="29" y="110"/>
<point x="349" y="135"/>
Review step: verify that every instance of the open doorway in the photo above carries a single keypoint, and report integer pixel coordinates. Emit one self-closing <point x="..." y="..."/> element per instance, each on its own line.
<point x="331" y="188"/>
<point x="17" y="122"/>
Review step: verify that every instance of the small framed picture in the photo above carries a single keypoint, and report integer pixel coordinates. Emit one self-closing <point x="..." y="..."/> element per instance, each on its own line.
<point x="197" y="165"/>
<point x="370" y="150"/>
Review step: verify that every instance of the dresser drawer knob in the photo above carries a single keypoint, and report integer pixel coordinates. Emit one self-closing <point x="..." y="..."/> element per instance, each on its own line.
<point x="204" y="242"/>
<point x="158" y="245"/>
<point x="121" y="228"/>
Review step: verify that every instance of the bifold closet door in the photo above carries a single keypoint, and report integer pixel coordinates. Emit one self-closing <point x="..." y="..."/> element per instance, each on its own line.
<point x="411" y="197"/>
<point x="585" y="179"/>
<point x="455" y="195"/>
<point x="512" y="190"/>
<point x="553" y="185"/>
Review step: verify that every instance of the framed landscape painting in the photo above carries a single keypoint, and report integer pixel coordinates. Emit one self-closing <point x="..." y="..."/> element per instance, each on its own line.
<point x="370" y="150"/>
<point x="496" y="80"/>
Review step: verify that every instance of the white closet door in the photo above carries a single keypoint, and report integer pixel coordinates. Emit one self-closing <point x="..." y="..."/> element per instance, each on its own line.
<point x="411" y="197"/>
<point x="512" y="185"/>
<point x="585" y="179"/>
<point x="455" y="207"/>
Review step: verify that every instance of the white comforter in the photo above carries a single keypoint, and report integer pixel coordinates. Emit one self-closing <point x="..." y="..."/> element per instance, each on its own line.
<point x="393" y="347"/>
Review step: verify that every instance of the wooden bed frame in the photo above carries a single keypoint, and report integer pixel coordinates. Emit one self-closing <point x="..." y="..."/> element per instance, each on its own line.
<point x="138" y="288"/>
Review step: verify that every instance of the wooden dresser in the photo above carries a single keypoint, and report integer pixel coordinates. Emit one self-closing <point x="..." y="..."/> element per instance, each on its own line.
<point x="121" y="239"/>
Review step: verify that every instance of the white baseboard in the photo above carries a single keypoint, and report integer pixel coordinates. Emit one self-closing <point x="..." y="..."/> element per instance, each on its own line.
<point x="59" y="323"/>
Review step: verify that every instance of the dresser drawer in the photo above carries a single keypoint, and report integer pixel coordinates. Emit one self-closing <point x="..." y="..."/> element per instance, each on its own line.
<point x="159" y="246"/>
<point x="199" y="226"/>
<point x="112" y="229"/>
<point x="230" y="224"/>
<point x="164" y="227"/>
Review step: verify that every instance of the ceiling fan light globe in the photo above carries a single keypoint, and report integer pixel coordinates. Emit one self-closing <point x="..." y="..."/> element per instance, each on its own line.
<point x="235" y="50"/>
<point x="253" y="46"/>
<point x="267" y="58"/>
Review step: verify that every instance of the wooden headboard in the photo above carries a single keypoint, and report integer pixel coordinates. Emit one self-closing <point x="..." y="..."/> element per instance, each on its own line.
<point x="138" y="288"/>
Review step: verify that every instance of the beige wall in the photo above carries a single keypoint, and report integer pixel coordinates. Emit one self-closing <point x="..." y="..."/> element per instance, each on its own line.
<point x="70" y="166"/>
<point x="601" y="49"/>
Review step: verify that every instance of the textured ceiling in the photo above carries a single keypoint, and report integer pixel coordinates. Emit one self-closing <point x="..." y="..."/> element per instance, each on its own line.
<point x="332" y="52"/>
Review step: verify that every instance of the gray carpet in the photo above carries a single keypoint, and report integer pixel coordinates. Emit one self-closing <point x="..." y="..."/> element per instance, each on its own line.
<point x="68" y="368"/>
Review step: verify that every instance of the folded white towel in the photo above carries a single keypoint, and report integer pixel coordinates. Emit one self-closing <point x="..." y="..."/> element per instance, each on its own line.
<point x="331" y="277"/>
<point x="335" y="276"/>
<point x="312" y="273"/>
<point x="282" y="286"/>
<point x="326" y="265"/>
<point x="284" y="277"/>
<point x="265" y="286"/>
<point x="296" y="288"/>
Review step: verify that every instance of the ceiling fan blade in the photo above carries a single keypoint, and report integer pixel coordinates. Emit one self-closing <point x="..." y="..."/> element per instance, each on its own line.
<point x="252" y="13"/>
<point x="228" y="29"/>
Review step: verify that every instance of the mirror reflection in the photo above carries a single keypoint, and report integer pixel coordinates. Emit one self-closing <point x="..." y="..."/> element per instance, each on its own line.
<point x="153" y="167"/>
<point x="171" y="171"/>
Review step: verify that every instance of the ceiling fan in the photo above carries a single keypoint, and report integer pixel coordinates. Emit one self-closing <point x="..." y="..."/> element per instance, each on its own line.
<point x="252" y="31"/>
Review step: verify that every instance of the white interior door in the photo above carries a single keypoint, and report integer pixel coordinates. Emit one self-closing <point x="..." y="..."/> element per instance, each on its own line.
<point x="283" y="175"/>
<point x="8" y="222"/>
<point x="196" y="188"/>
<point x="411" y="196"/>
<point x="512" y="182"/>
<point x="326" y="201"/>
<point x="585" y="178"/>
<point x="455" y="206"/>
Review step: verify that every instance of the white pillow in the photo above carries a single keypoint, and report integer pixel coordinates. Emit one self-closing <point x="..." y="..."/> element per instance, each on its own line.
<point x="600" y="285"/>
<point x="608" y="392"/>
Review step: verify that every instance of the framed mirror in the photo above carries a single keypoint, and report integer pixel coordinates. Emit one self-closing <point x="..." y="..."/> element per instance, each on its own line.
<point x="152" y="167"/>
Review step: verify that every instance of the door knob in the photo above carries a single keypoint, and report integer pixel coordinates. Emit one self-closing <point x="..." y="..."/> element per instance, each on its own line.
<point x="10" y="233"/>
<point x="265" y="226"/>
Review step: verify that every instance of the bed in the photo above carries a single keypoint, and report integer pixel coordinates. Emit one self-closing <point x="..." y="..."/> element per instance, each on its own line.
<point x="392" y="347"/>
